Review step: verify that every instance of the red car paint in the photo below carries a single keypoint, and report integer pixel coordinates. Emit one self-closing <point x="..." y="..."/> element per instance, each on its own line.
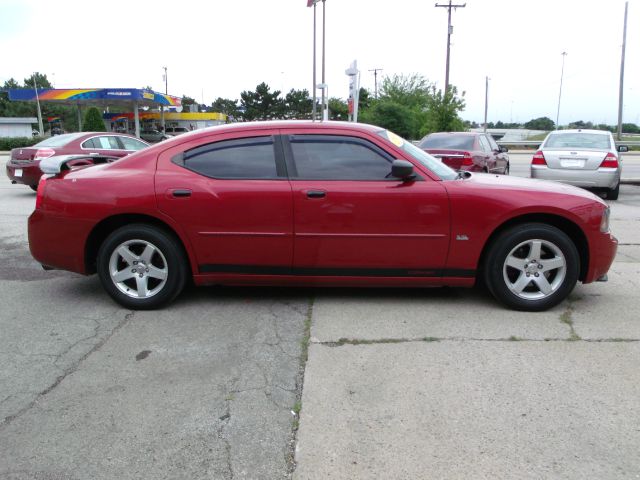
<point x="273" y="232"/>
<point x="23" y="166"/>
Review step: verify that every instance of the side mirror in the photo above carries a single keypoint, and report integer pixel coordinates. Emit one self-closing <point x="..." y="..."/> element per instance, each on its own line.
<point x="403" y="170"/>
<point x="503" y="149"/>
<point x="623" y="148"/>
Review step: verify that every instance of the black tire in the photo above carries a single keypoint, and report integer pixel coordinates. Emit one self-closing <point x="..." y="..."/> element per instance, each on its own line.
<point x="613" y="193"/>
<point x="142" y="267"/>
<point x="34" y="187"/>
<point x="507" y="168"/>
<point x="517" y="276"/>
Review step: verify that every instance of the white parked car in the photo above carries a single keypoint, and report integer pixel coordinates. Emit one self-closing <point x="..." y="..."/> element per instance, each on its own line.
<point x="584" y="158"/>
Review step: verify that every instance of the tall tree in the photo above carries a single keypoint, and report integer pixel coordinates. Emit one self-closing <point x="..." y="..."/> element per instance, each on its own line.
<point x="298" y="104"/>
<point x="187" y="102"/>
<point x="338" y="109"/>
<point x="443" y="111"/>
<point x="41" y="80"/>
<point x="228" y="107"/>
<point x="261" y="104"/>
<point x="540" y="123"/>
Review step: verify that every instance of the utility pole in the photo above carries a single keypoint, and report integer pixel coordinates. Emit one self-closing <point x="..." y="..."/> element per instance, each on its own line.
<point x="486" y="102"/>
<point x="564" y="54"/>
<point x="449" y="6"/>
<point x="375" y="79"/>
<point x="624" y="42"/>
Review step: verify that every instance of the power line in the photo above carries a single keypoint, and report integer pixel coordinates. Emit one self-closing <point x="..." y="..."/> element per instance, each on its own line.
<point x="449" y="6"/>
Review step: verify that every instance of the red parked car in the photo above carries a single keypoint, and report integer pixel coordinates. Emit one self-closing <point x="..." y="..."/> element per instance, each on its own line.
<point x="23" y="167"/>
<point x="312" y="203"/>
<point x="469" y="151"/>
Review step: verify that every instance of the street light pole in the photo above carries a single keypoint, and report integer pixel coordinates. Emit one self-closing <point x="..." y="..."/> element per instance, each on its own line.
<point x="315" y="93"/>
<point x="166" y="91"/>
<point x="486" y="102"/>
<point x="624" y="42"/>
<point x="564" y="54"/>
<point x="325" y="99"/>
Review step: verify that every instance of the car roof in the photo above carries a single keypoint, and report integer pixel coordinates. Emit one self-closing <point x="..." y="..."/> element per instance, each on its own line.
<point x="466" y="134"/>
<point x="292" y="124"/>
<point x="580" y="130"/>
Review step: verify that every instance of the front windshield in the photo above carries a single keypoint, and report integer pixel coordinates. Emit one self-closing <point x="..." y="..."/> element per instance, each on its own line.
<point x="433" y="164"/>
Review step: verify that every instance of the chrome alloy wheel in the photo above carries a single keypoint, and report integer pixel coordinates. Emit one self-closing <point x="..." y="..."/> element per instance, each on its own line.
<point x="138" y="268"/>
<point x="534" y="269"/>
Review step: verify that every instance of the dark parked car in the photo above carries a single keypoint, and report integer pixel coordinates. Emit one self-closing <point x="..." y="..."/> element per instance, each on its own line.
<point x="473" y="152"/>
<point x="23" y="168"/>
<point x="313" y="203"/>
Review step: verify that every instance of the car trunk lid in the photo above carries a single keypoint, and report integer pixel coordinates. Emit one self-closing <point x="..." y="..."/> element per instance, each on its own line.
<point x="452" y="158"/>
<point x="23" y="155"/>
<point x="571" y="159"/>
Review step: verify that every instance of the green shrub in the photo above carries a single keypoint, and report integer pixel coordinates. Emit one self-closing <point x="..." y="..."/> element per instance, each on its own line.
<point x="9" y="143"/>
<point x="93" y="121"/>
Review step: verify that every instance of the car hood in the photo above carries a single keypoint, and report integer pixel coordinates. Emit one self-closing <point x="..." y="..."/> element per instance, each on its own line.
<point x="519" y="184"/>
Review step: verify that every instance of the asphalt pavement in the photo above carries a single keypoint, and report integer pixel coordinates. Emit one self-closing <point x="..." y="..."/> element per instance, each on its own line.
<point x="440" y="383"/>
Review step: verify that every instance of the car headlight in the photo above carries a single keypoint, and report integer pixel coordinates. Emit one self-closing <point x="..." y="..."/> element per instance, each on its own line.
<point x="604" y="223"/>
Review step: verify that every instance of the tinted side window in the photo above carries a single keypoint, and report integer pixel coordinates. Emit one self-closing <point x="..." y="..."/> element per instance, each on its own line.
<point x="484" y="144"/>
<point x="338" y="158"/>
<point x="492" y="143"/>
<point x="240" y="158"/>
<point x="90" y="144"/>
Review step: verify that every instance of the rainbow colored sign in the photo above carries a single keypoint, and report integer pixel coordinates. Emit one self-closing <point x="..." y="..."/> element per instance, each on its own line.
<point x="87" y="94"/>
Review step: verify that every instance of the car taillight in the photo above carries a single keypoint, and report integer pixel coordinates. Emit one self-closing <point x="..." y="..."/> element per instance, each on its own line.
<point x="43" y="153"/>
<point x="610" y="161"/>
<point x="40" y="192"/>
<point x="467" y="159"/>
<point x="538" y="158"/>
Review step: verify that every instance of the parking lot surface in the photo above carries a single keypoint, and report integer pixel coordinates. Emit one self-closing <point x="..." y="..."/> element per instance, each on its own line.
<point x="441" y="383"/>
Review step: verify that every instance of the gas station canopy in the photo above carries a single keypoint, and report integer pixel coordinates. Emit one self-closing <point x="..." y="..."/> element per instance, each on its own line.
<point x="130" y="97"/>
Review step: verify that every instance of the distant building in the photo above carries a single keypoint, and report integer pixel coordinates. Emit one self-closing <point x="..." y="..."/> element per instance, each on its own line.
<point x="17" y="126"/>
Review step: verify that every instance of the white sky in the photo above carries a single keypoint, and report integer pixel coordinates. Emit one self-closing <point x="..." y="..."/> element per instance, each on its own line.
<point x="221" y="47"/>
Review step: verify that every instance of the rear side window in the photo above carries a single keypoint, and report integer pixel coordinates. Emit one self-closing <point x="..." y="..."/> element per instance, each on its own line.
<point x="333" y="157"/>
<point x="245" y="158"/>
<point x="132" y="144"/>
<point x="103" y="143"/>
<point x="484" y="144"/>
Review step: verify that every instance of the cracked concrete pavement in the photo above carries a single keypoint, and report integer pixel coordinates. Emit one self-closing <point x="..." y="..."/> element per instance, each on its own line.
<point x="202" y="389"/>
<point x="446" y="384"/>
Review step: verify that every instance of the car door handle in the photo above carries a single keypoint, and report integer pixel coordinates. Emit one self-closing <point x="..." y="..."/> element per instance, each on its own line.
<point x="316" y="194"/>
<point x="180" y="193"/>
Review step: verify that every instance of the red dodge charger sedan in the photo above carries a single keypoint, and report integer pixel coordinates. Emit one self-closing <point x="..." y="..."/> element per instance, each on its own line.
<point x="311" y="203"/>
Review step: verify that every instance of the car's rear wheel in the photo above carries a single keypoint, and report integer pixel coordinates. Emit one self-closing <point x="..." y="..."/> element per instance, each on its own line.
<point x="532" y="267"/>
<point x="506" y="169"/>
<point x="34" y="187"/>
<point x="142" y="267"/>
<point x="613" y="193"/>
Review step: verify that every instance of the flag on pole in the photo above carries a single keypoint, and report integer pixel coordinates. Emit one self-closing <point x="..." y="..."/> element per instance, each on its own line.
<point x="311" y="3"/>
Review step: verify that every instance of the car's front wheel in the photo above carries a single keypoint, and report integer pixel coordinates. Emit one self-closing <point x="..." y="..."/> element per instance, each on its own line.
<point x="532" y="267"/>
<point x="141" y="267"/>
